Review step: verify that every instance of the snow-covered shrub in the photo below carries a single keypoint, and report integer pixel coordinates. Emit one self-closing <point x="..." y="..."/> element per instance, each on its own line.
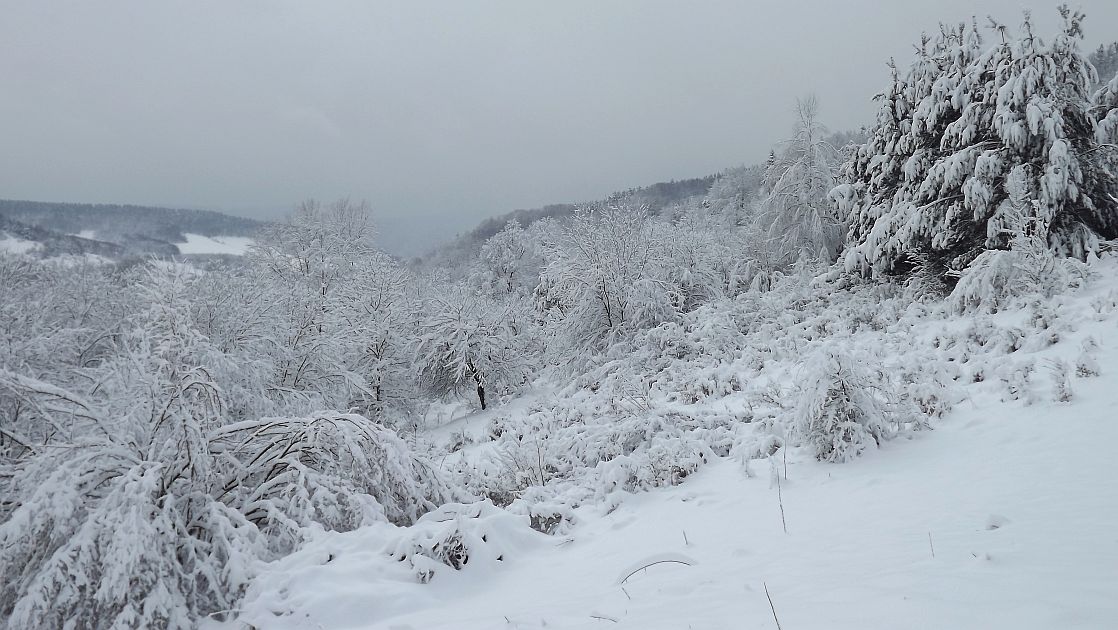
<point x="688" y="361"/>
<point x="1028" y="267"/>
<point x="1061" y="380"/>
<point x="105" y="542"/>
<point x="497" y="425"/>
<point x="330" y="470"/>
<point x="839" y="412"/>
<point x="928" y="279"/>
<point x="1019" y="385"/>
<point x="927" y="383"/>
<point x="458" y="440"/>
<point x="551" y="519"/>
<point x="983" y="335"/>
<point x="456" y="536"/>
<point x="593" y="446"/>
<point x="1086" y="365"/>
<point x="117" y="521"/>
<point x="997" y="277"/>
<point x="140" y="504"/>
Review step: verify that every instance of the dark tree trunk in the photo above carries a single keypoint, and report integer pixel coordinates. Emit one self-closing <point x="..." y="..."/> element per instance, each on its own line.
<point x="480" y="387"/>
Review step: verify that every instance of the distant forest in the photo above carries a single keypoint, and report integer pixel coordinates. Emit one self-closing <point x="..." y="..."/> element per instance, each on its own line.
<point x="117" y="223"/>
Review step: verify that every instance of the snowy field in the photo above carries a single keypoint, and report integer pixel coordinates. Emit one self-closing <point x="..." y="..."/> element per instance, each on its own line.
<point x="198" y="244"/>
<point x="14" y="245"/>
<point x="1002" y="516"/>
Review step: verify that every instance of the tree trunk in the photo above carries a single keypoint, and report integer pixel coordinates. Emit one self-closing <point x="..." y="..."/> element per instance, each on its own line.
<point x="480" y="387"/>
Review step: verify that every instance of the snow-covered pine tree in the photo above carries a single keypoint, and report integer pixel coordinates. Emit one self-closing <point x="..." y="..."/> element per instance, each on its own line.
<point x="933" y="175"/>
<point x="1104" y="114"/>
<point x="1105" y="60"/>
<point x="904" y="142"/>
<point x="1027" y="267"/>
<point x="838" y="414"/>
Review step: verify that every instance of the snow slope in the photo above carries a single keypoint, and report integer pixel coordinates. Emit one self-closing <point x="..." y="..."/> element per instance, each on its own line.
<point x="14" y="245"/>
<point x="1003" y="516"/>
<point x="198" y="244"/>
<point x="1019" y="507"/>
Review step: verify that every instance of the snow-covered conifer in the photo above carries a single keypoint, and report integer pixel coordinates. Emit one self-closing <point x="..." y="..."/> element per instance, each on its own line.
<point x="933" y="177"/>
<point x="838" y="413"/>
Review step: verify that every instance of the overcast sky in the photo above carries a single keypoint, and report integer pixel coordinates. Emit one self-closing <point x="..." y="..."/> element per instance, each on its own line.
<point x="438" y="113"/>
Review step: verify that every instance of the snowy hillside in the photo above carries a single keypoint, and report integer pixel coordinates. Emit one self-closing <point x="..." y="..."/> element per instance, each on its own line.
<point x="229" y="245"/>
<point x="13" y="244"/>
<point x="859" y="386"/>
<point x="999" y="516"/>
<point x="119" y="232"/>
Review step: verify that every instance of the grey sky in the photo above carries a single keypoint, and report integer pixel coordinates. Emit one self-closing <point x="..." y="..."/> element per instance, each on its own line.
<point x="438" y="113"/>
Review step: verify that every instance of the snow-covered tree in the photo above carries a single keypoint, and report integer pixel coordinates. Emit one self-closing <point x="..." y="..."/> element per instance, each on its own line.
<point x="344" y="339"/>
<point x="931" y="180"/>
<point x="1105" y="60"/>
<point x="1104" y="112"/>
<point x="734" y="193"/>
<point x="702" y="264"/>
<point x="795" y="219"/>
<point x="1028" y="267"/>
<point x="605" y="279"/>
<point x="469" y="340"/>
<point x="114" y="524"/>
<point x="509" y="263"/>
<point x="140" y="503"/>
<point x="838" y="414"/>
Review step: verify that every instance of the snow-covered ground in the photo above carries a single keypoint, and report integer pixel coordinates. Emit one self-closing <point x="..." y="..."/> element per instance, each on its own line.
<point x="14" y="245"/>
<point x="198" y="244"/>
<point x="1002" y="516"/>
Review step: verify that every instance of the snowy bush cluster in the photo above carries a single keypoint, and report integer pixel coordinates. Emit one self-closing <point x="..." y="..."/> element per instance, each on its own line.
<point x="167" y="428"/>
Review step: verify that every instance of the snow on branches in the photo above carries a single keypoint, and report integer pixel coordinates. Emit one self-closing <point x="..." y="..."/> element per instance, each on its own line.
<point x="933" y="178"/>
<point x="141" y="502"/>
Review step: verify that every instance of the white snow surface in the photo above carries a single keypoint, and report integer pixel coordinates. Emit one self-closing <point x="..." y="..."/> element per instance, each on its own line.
<point x="15" y="245"/>
<point x="1002" y="516"/>
<point x="858" y="552"/>
<point x="198" y="244"/>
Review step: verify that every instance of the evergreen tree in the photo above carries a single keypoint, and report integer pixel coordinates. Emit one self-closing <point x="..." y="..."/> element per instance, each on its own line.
<point x="1105" y="60"/>
<point x="931" y="183"/>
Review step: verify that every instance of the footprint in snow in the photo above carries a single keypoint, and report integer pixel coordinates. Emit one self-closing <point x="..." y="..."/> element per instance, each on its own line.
<point x="996" y="521"/>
